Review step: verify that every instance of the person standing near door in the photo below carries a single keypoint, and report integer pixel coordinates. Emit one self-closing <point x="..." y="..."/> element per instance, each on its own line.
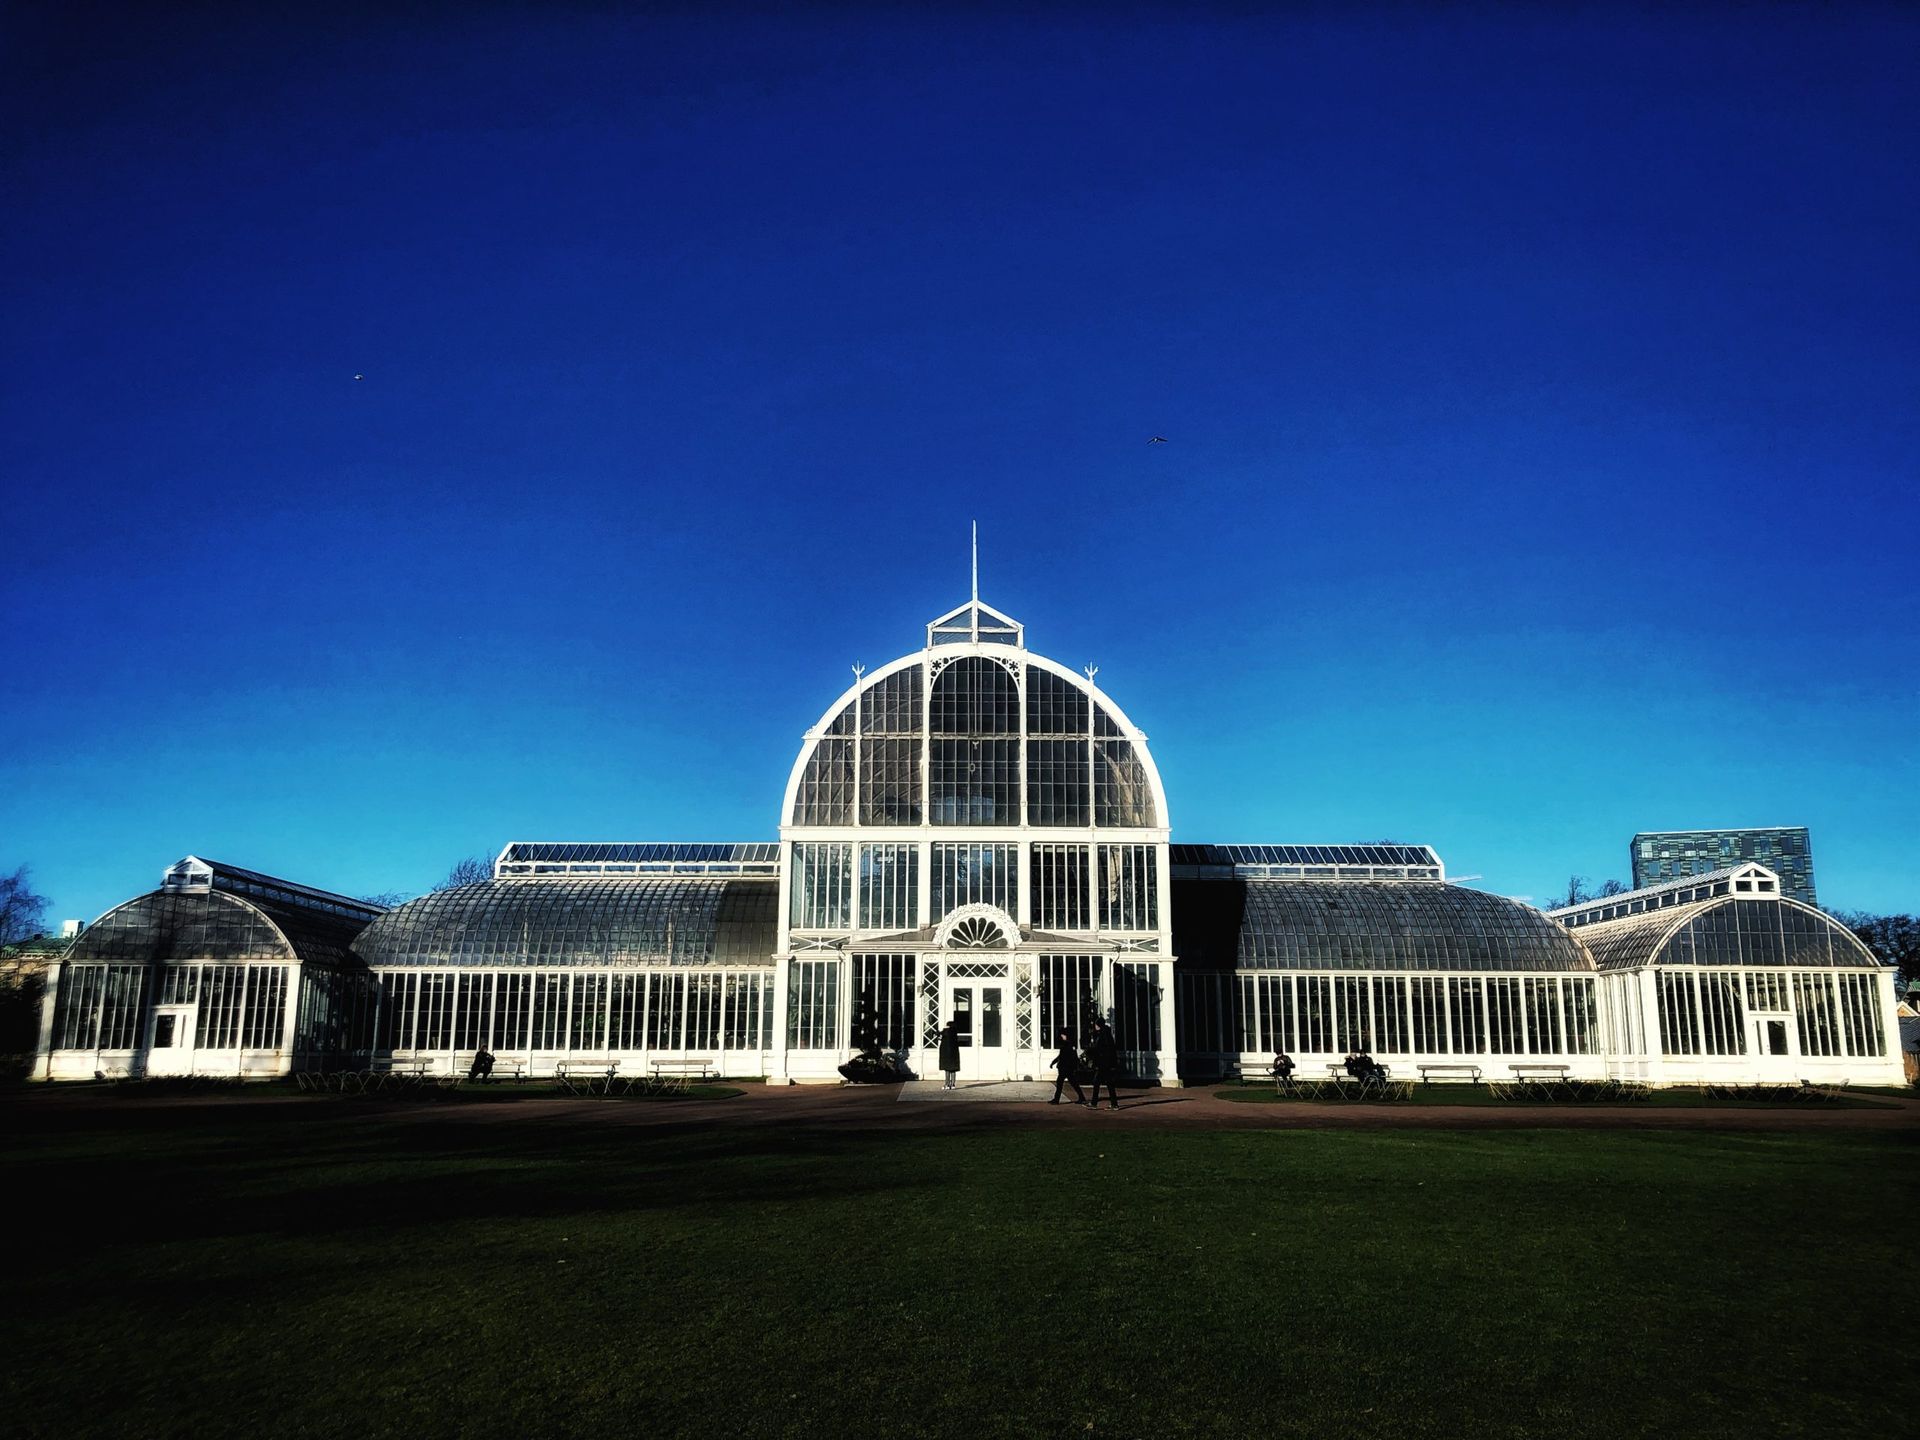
<point x="1105" y="1056"/>
<point x="950" y="1053"/>
<point x="1065" y="1064"/>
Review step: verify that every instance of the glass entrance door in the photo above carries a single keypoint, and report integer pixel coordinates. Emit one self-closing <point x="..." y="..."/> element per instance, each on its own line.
<point x="979" y="1012"/>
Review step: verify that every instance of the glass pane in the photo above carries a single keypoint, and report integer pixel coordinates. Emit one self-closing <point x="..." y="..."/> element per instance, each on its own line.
<point x="963" y="1014"/>
<point x="990" y="1017"/>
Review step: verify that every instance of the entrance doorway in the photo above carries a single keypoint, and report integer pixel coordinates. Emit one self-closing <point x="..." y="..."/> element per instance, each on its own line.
<point x="170" y="1048"/>
<point x="1773" y="1057"/>
<point x="978" y="1009"/>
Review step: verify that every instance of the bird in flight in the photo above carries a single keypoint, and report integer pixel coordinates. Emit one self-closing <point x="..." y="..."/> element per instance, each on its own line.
<point x="1157" y="440"/>
<point x="359" y="377"/>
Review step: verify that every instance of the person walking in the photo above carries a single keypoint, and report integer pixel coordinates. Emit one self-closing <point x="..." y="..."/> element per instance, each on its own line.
<point x="1105" y="1055"/>
<point x="950" y="1054"/>
<point x="1065" y="1064"/>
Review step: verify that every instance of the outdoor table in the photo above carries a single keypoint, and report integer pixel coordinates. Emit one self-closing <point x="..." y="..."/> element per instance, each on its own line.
<point x="1551" y="1078"/>
<point x="586" y="1079"/>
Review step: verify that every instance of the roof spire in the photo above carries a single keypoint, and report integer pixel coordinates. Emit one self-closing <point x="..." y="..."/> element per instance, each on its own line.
<point x="973" y="613"/>
<point x="976" y="562"/>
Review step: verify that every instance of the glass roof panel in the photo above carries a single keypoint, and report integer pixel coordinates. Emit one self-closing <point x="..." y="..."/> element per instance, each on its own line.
<point x="1364" y="925"/>
<point x="581" y="921"/>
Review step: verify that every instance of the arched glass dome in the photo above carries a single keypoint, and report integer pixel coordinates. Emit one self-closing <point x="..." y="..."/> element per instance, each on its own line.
<point x="580" y="922"/>
<point x="1723" y="932"/>
<point x="171" y="926"/>
<point x="975" y="731"/>
<point x="1365" y="925"/>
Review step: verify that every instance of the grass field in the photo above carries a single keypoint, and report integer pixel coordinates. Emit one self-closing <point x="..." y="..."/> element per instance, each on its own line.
<point x="1678" y="1097"/>
<point x="326" y="1269"/>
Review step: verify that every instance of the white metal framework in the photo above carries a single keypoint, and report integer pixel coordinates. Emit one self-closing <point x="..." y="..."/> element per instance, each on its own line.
<point x="1721" y="978"/>
<point x="971" y="834"/>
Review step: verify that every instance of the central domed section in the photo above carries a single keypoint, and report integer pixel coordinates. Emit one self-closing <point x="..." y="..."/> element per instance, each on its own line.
<point x="974" y="731"/>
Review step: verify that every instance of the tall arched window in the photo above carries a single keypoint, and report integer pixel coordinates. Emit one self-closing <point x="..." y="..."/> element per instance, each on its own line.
<point x="1058" y="777"/>
<point x="975" y="745"/>
<point x="890" y="750"/>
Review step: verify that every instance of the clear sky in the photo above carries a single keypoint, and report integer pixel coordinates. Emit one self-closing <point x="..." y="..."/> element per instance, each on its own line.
<point x="1539" y="394"/>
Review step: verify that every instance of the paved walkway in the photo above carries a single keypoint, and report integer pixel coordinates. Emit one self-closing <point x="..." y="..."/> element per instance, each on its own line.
<point x="879" y="1108"/>
<point x="979" y="1092"/>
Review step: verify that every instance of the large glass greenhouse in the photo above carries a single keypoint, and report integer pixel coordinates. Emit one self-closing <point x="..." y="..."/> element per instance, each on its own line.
<point x="971" y="833"/>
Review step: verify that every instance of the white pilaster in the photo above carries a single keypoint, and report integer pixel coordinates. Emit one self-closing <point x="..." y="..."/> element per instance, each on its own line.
<point x="43" y="1058"/>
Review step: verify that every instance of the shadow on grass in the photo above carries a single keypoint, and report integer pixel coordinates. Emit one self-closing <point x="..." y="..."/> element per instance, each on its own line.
<point x="329" y="1169"/>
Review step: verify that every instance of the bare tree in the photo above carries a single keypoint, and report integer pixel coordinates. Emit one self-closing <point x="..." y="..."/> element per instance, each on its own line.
<point x="470" y="871"/>
<point x="1578" y="893"/>
<point x="23" y="914"/>
<point x="1895" y="939"/>
<point x="386" y="898"/>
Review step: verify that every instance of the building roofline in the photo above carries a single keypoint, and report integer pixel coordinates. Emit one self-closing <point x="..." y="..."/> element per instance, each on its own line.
<point x="1719" y="830"/>
<point x="1717" y="883"/>
<point x="261" y="885"/>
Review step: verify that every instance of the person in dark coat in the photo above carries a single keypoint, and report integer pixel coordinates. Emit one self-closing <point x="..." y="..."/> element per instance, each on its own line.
<point x="1104" y="1055"/>
<point x="482" y="1067"/>
<point x="950" y="1053"/>
<point x="1282" y="1068"/>
<point x="1065" y="1064"/>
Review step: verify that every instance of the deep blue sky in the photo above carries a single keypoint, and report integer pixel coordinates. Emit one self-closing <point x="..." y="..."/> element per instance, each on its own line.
<point x="1539" y="393"/>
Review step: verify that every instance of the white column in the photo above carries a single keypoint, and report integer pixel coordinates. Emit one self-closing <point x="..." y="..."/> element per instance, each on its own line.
<point x="1646" y="993"/>
<point x="43" y="1057"/>
<point x="1168" y="1056"/>
<point x="843" y="1019"/>
<point x="295" y="977"/>
<point x="1890" y="1023"/>
<point x="777" y="1040"/>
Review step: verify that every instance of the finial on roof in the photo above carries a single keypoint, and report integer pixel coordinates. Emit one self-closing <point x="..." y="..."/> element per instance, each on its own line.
<point x="976" y="562"/>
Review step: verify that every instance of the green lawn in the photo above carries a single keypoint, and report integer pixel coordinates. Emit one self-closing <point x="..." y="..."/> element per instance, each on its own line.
<point x="317" y="1269"/>
<point x="1673" y="1097"/>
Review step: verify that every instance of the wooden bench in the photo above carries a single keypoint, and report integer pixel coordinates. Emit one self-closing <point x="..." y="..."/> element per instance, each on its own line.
<point x="679" y="1075"/>
<point x="1466" y="1074"/>
<point x="1540" y="1072"/>
<point x="515" y="1066"/>
<point x="1260" y="1073"/>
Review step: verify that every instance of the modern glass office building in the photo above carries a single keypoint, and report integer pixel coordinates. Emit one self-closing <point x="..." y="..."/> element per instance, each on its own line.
<point x="1662" y="855"/>
<point x="971" y="833"/>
